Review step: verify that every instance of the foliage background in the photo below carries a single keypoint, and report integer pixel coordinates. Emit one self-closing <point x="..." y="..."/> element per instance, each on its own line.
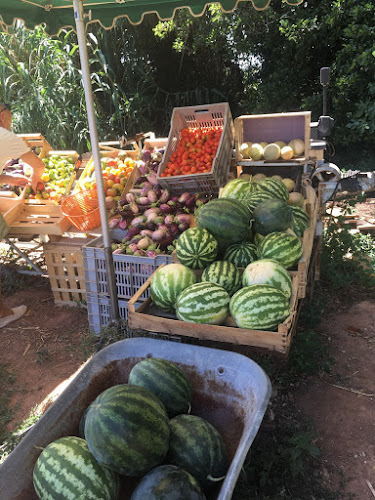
<point x="257" y="61"/>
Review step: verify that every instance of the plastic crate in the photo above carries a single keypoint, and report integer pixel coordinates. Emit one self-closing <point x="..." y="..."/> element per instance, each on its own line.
<point x="229" y="390"/>
<point x="99" y="311"/>
<point x="131" y="272"/>
<point x="192" y="117"/>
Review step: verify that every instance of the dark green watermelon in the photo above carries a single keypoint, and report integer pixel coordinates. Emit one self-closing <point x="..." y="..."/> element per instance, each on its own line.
<point x="272" y="215"/>
<point x="168" y="482"/>
<point x="227" y="220"/>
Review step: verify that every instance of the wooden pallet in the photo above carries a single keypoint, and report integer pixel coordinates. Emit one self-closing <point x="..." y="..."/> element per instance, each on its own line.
<point x="148" y="317"/>
<point x="64" y="263"/>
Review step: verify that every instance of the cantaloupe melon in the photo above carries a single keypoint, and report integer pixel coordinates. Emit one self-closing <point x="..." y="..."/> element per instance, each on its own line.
<point x="281" y="144"/>
<point x="298" y="146"/>
<point x="296" y="199"/>
<point x="278" y="177"/>
<point x="263" y="144"/>
<point x="246" y="177"/>
<point x="256" y="152"/>
<point x="244" y="150"/>
<point x="271" y="152"/>
<point x="258" y="177"/>
<point x="287" y="153"/>
<point x="289" y="183"/>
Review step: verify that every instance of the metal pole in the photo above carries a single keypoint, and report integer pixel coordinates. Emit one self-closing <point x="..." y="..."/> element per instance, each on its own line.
<point x="81" y="35"/>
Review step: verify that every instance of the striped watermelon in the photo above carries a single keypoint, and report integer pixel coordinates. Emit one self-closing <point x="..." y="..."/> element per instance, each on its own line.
<point x="259" y="307"/>
<point x="203" y="303"/>
<point x="66" y="468"/>
<point x="169" y="483"/>
<point x="196" y="248"/>
<point x="223" y="273"/>
<point x="197" y="447"/>
<point x="241" y="254"/>
<point x="168" y="282"/>
<point x="127" y="429"/>
<point x="274" y="187"/>
<point x="227" y="220"/>
<point x="166" y="380"/>
<point x="256" y="197"/>
<point x="237" y="189"/>
<point x="268" y="272"/>
<point x="283" y="247"/>
<point x="272" y="215"/>
<point x="257" y="239"/>
<point x="301" y="221"/>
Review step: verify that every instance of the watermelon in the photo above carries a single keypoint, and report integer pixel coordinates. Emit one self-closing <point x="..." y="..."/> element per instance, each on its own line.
<point x="166" y="380"/>
<point x="300" y="220"/>
<point x="168" y="282"/>
<point x="241" y="254"/>
<point x="197" y="447"/>
<point x="66" y="468"/>
<point x="223" y="273"/>
<point x="127" y="429"/>
<point x="203" y="303"/>
<point x="274" y="187"/>
<point x="257" y="239"/>
<point x="237" y="189"/>
<point x="268" y="272"/>
<point x="257" y="197"/>
<point x="227" y="220"/>
<point x="272" y="215"/>
<point x="284" y="247"/>
<point x="169" y="483"/>
<point x="259" y="307"/>
<point x="196" y="248"/>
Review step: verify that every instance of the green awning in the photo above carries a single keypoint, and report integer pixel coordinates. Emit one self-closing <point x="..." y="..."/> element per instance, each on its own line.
<point x="56" y="14"/>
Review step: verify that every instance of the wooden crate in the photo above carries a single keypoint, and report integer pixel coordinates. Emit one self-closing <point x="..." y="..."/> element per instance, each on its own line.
<point x="30" y="219"/>
<point x="64" y="263"/>
<point x="10" y="209"/>
<point x="36" y="141"/>
<point x="270" y="128"/>
<point x="148" y="317"/>
<point x="156" y="142"/>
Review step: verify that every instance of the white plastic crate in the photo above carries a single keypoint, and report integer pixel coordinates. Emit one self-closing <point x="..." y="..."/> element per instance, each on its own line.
<point x="131" y="272"/>
<point x="192" y="117"/>
<point x="229" y="390"/>
<point x="99" y="311"/>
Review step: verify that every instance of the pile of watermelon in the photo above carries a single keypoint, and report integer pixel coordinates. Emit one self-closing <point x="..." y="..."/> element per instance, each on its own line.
<point x="142" y="429"/>
<point x="243" y="246"/>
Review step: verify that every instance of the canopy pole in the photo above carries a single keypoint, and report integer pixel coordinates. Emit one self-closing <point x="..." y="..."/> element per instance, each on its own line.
<point x="81" y="35"/>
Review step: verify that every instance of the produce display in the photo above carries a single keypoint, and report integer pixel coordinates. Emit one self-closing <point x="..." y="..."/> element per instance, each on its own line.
<point x="116" y="172"/>
<point x="168" y="481"/>
<point x="194" y="153"/>
<point x="272" y="151"/>
<point x="225" y="274"/>
<point x="283" y="247"/>
<point x="168" y="282"/>
<point x="153" y="216"/>
<point x="259" y="307"/>
<point x="268" y="272"/>
<point x="66" y="467"/>
<point x="241" y="254"/>
<point x="127" y="429"/>
<point x="203" y="302"/>
<point x="128" y="433"/>
<point x="272" y="215"/>
<point x="196" y="248"/>
<point x="173" y="389"/>
<point x="205" y="458"/>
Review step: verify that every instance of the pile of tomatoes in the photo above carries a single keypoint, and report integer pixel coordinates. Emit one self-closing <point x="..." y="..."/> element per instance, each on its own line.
<point x="195" y="152"/>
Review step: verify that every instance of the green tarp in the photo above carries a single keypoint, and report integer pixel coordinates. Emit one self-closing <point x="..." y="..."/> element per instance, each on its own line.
<point x="56" y="14"/>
